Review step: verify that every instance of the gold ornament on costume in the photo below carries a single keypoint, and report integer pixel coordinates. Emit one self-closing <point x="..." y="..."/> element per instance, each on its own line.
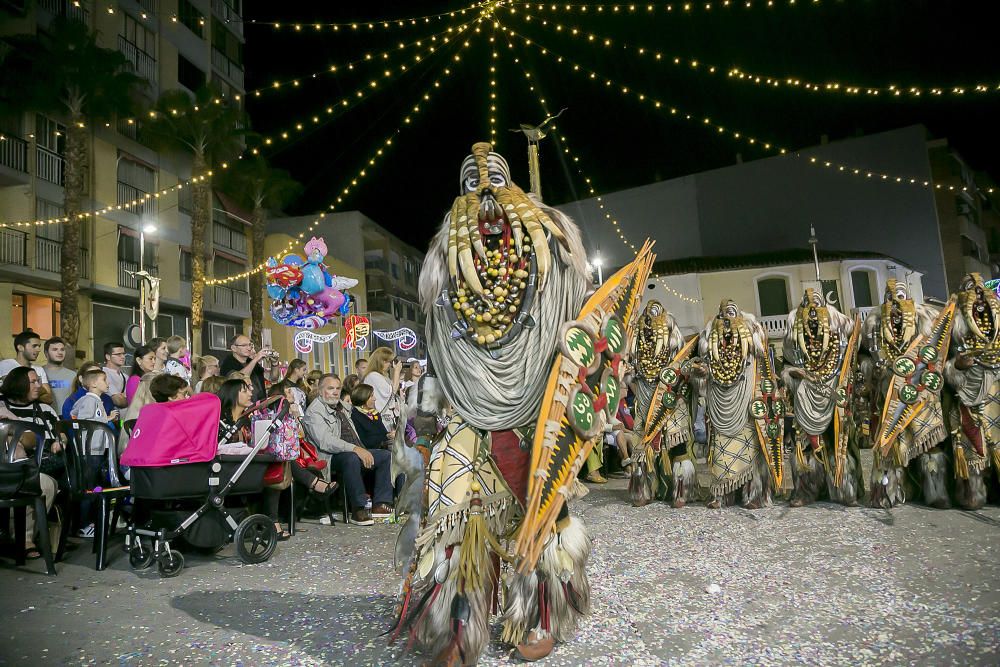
<point x="728" y="344"/>
<point x="898" y="318"/>
<point x="495" y="269"/>
<point x="981" y="310"/>
<point x="818" y="343"/>
<point x="653" y="341"/>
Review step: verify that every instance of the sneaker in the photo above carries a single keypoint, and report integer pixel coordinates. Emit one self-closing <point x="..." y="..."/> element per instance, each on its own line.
<point x="362" y="517"/>
<point x="86" y="532"/>
<point x="382" y="510"/>
<point x="325" y="520"/>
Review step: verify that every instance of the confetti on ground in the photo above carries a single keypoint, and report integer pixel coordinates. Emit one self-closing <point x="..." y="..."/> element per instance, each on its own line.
<point x="821" y="585"/>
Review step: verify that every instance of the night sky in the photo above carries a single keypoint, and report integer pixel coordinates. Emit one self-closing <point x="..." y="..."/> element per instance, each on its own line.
<point x="620" y="142"/>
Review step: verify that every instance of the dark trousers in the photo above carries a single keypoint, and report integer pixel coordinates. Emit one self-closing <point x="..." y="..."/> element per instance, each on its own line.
<point x="353" y="476"/>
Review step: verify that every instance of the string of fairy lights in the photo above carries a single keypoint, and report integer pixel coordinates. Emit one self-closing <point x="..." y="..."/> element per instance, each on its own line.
<point x="381" y="24"/>
<point x="367" y="169"/>
<point x="575" y="160"/>
<point x="737" y="74"/>
<point x="647" y="8"/>
<point x="355" y="97"/>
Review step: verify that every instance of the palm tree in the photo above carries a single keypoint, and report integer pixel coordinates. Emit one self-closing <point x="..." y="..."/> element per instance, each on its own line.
<point x="64" y="72"/>
<point x="256" y="185"/>
<point x="211" y="132"/>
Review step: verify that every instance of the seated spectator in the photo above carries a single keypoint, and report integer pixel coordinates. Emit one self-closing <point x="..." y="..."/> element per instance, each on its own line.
<point x="79" y="390"/>
<point x="350" y="382"/>
<point x="236" y="397"/>
<point x="328" y="426"/>
<point x="312" y="383"/>
<point x="295" y="377"/>
<point x="176" y="351"/>
<point x="60" y="378"/>
<point x="385" y="375"/>
<point x="19" y="400"/>
<point x="367" y="421"/>
<point x="307" y="477"/>
<point x="165" y="388"/>
<point x="141" y="397"/>
<point x="205" y="367"/>
<point x="27" y="345"/>
<point x="211" y="384"/>
<point x="144" y="361"/>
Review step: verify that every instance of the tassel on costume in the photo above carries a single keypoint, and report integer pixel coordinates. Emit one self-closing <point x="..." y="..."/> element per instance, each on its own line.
<point x="995" y="455"/>
<point x="961" y="464"/>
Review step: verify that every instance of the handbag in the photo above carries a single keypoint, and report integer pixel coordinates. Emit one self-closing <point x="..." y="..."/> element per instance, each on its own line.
<point x="283" y="442"/>
<point x="278" y="476"/>
<point x="19" y="478"/>
<point x="309" y="457"/>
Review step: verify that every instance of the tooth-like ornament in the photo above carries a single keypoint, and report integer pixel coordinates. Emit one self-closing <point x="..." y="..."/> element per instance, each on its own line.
<point x="506" y="200"/>
<point x="453" y="239"/>
<point x="552" y="227"/>
<point x="537" y="235"/>
<point x="465" y="260"/>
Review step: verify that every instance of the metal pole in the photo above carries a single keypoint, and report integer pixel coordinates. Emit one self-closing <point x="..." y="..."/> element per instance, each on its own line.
<point x="813" y="241"/>
<point x="142" y="290"/>
<point x="534" y="175"/>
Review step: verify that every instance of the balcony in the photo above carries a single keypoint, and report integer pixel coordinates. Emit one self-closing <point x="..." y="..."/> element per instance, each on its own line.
<point x="227" y="298"/>
<point x="381" y="304"/>
<point x="377" y="265"/>
<point x="136" y="201"/>
<point x="228" y="15"/>
<point x="50" y="166"/>
<point x="13" y="247"/>
<point x="229" y="239"/>
<point x="14" y="153"/>
<point x="48" y="257"/>
<point x="144" y="64"/>
<point x="65" y="8"/>
<point x="127" y="269"/>
<point x="228" y="68"/>
<point x="776" y="326"/>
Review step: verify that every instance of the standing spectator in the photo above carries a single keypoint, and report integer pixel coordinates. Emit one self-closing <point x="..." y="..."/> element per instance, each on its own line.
<point x="294" y="376"/>
<point x="367" y="422"/>
<point x="176" y="349"/>
<point x="361" y="367"/>
<point x="90" y="405"/>
<point x="114" y="362"/>
<point x="411" y="376"/>
<point x="211" y="384"/>
<point x="79" y="390"/>
<point x="159" y="347"/>
<point x="206" y="366"/>
<point x="143" y="361"/>
<point x="239" y="360"/>
<point x="27" y="345"/>
<point x="19" y="399"/>
<point x="384" y="376"/>
<point x="328" y="426"/>
<point x="60" y="379"/>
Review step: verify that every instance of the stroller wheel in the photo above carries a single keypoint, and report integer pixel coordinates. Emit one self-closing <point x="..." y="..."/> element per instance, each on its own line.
<point x="255" y="539"/>
<point x="171" y="563"/>
<point x="140" y="556"/>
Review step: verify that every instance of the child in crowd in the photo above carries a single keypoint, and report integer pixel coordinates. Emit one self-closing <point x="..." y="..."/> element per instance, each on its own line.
<point x="90" y="406"/>
<point x="176" y="349"/>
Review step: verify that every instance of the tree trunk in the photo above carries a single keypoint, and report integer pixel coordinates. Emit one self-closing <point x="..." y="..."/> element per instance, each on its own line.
<point x="76" y="164"/>
<point x="201" y="218"/>
<point x="259" y="231"/>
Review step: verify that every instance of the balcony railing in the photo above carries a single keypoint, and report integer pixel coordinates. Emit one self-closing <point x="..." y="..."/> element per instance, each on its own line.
<point x="775" y="325"/>
<point x="863" y="311"/>
<point x="229" y="69"/>
<point x="134" y="200"/>
<point x="51" y="166"/>
<point x="228" y="15"/>
<point x="145" y="64"/>
<point x="231" y="299"/>
<point x="14" y="153"/>
<point x="65" y="8"/>
<point x="13" y="247"/>
<point x="379" y="264"/>
<point x="47" y="255"/>
<point x="228" y="238"/>
<point x="149" y="5"/>
<point x="126" y="269"/>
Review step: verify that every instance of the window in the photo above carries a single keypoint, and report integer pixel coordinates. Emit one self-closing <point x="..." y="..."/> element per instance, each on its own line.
<point x="36" y="312"/>
<point x="128" y="251"/>
<point x="971" y="249"/>
<point x="188" y="74"/>
<point x="395" y="270"/>
<point x="220" y="335"/>
<point x="138" y="35"/>
<point x="186" y="273"/>
<point x="135" y="181"/>
<point x="50" y="135"/>
<point x="191" y="17"/>
<point x="410" y="314"/>
<point x="863" y="283"/>
<point x="223" y="268"/>
<point x="110" y="323"/>
<point x="227" y="43"/>
<point x="49" y="210"/>
<point x="773" y="295"/>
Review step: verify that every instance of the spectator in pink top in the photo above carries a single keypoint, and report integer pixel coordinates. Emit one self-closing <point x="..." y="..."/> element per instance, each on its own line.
<point x="145" y="362"/>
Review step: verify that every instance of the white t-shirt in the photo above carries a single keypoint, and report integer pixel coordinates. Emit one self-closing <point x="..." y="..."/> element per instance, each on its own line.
<point x="7" y="365"/>
<point x="116" y="380"/>
<point x="175" y="367"/>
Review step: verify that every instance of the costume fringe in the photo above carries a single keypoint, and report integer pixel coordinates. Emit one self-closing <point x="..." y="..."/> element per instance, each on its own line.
<point x="800" y="457"/>
<point x="995" y="455"/>
<point x="498" y="511"/>
<point x="961" y="464"/>
<point x="724" y="487"/>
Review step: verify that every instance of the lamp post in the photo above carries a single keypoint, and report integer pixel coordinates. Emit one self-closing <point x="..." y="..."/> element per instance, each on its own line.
<point x="147" y="228"/>
<point x="599" y="265"/>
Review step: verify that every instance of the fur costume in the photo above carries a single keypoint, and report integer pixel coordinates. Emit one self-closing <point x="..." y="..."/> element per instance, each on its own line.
<point x="660" y="460"/>
<point x="815" y="349"/>
<point x="973" y="372"/>
<point x="738" y="380"/>
<point x="502" y="276"/>
<point x="888" y="333"/>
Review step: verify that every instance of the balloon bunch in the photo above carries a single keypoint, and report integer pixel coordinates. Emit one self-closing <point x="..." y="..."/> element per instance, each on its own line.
<point x="304" y="294"/>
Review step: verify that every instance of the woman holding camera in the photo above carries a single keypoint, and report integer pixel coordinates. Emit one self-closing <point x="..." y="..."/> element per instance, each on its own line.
<point x="384" y="376"/>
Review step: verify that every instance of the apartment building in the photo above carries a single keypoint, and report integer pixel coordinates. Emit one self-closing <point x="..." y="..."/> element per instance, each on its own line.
<point x="173" y="44"/>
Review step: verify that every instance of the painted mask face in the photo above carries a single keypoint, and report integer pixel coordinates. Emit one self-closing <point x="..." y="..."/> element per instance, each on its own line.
<point x="898" y="321"/>
<point x="728" y="344"/>
<point x="653" y="350"/>
<point x="980" y="308"/>
<point x="819" y="345"/>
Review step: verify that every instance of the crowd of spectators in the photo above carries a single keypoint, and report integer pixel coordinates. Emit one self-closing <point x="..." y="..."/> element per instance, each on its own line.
<point x="350" y="422"/>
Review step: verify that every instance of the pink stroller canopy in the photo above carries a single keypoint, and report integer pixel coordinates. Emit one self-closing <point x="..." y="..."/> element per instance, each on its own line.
<point x="175" y="433"/>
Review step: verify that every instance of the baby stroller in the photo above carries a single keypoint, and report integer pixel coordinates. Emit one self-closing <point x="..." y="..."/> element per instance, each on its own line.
<point x="173" y="457"/>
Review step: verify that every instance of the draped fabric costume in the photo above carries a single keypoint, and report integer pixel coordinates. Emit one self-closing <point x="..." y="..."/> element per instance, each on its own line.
<point x="501" y="278"/>
<point x="663" y="412"/>
<point x="888" y="333"/>
<point x="973" y="372"/>
<point x="817" y="373"/>
<point x="743" y="409"/>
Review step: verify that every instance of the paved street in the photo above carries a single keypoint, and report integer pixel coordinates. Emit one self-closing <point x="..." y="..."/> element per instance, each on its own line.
<point x="821" y="585"/>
